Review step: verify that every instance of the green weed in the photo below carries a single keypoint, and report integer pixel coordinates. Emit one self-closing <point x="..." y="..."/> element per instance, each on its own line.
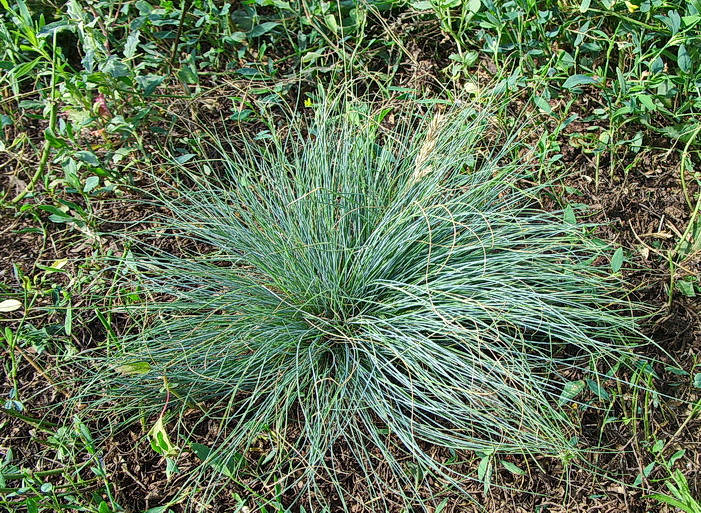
<point x="679" y="494"/>
<point x="634" y="60"/>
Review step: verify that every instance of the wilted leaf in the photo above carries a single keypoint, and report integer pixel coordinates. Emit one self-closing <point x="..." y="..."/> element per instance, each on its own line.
<point x="685" y="287"/>
<point x="10" y="305"/>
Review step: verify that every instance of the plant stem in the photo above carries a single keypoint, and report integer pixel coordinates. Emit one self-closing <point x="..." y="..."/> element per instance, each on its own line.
<point x="682" y="167"/>
<point x="185" y="5"/>
<point x="46" y="150"/>
<point x="694" y="410"/>
<point x="40" y="473"/>
<point x="43" y="424"/>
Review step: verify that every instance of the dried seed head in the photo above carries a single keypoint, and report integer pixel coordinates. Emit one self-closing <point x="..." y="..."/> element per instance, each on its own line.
<point x="421" y="166"/>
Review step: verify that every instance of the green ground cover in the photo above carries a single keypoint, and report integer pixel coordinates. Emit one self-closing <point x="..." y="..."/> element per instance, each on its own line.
<point x="297" y="200"/>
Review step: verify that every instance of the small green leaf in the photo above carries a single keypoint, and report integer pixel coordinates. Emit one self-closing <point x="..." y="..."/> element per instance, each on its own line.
<point x="54" y="28"/>
<point x="474" y="5"/>
<point x="575" y="81"/>
<point x="90" y="183"/>
<point x="645" y="473"/>
<point x="235" y="37"/>
<point x="159" y="509"/>
<point x="484" y="472"/>
<point x="263" y="28"/>
<point x="598" y="390"/>
<point x="53" y="139"/>
<point x="622" y="82"/>
<point x="115" y="68"/>
<point x="683" y="59"/>
<point x="311" y="56"/>
<point x="88" y="157"/>
<point x="512" y="468"/>
<point x="673" y="21"/>
<point x="131" y="44"/>
<point x="659" y="445"/>
<point x="617" y="260"/>
<point x="568" y="215"/>
<point x="697" y="380"/>
<point x="441" y="507"/>
<point x="677" y="455"/>
<point x="149" y="83"/>
<point x="692" y="243"/>
<point x="84" y="434"/>
<point x="68" y="321"/>
<point x="571" y="390"/>
<point x="636" y="143"/>
<point x="331" y="22"/>
<point x="99" y="471"/>
<point x="131" y="369"/>
<point x="542" y="104"/>
<point x="171" y="467"/>
<point x="182" y="159"/>
<point x="668" y="500"/>
<point x="187" y="75"/>
<point x="241" y="115"/>
<point x="104" y="508"/>
<point x="248" y="72"/>
<point x="685" y="287"/>
<point x="59" y="219"/>
<point x="144" y="7"/>
<point x="647" y="101"/>
<point x="676" y="371"/>
<point x="227" y="468"/>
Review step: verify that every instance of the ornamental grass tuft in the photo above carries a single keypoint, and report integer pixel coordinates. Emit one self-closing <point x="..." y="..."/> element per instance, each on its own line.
<point x="370" y="301"/>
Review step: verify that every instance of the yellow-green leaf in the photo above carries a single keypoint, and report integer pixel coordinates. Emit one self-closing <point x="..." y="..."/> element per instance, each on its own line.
<point x="160" y="442"/>
<point x="131" y="369"/>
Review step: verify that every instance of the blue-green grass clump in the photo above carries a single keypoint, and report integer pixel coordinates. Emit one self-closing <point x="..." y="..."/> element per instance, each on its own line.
<point x="370" y="294"/>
